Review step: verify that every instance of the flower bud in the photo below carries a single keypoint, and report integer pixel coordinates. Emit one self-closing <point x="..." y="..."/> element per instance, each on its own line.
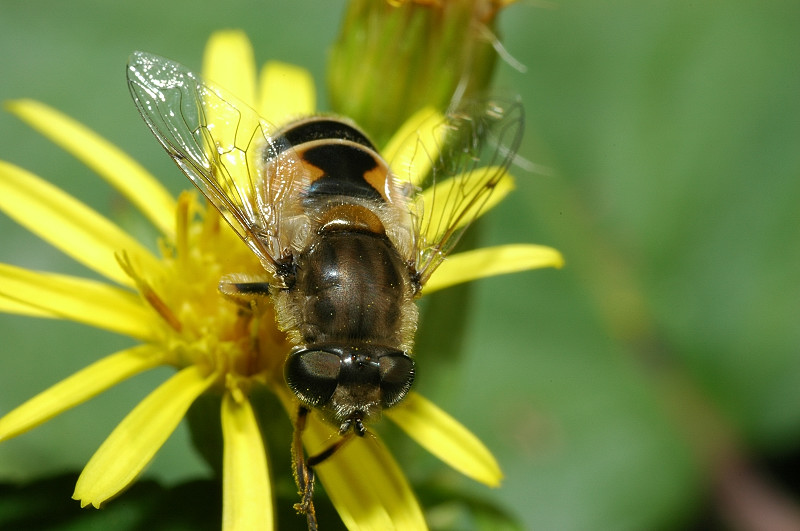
<point x="392" y="59"/>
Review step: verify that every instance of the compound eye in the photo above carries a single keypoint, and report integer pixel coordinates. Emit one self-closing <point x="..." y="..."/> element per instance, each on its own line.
<point x="313" y="375"/>
<point x="397" y="375"/>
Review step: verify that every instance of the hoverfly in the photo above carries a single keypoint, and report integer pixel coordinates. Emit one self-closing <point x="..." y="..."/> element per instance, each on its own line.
<point x="347" y="242"/>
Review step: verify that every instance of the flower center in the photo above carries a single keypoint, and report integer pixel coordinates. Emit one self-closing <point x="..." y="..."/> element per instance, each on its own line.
<point x="239" y="340"/>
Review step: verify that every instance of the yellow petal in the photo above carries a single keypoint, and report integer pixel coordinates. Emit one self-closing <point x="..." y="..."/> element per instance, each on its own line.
<point x="492" y="261"/>
<point x="445" y="205"/>
<point x="414" y="147"/>
<point x="68" y="224"/>
<point x="104" y="158"/>
<point x="285" y="92"/>
<point x="444" y="437"/>
<point x="77" y="299"/>
<point x="363" y="481"/>
<point x="78" y="388"/>
<point x="19" y="308"/>
<point x="246" y="491"/>
<point x="134" y="442"/>
<point x="228" y="62"/>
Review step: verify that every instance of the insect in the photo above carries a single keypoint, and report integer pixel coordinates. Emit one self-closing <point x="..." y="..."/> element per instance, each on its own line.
<point x="347" y="244"/>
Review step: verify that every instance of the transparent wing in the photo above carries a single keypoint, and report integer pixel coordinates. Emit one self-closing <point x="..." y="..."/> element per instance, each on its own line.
<point x="224" y="147"/>
<point x="457" y="162"/>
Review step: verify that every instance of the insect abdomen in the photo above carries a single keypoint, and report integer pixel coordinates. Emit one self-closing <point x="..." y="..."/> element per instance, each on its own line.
<point x="355" y="289"/>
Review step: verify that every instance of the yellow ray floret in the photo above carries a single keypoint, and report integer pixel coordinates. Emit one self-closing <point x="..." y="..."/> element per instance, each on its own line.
<point x="229" y="62"/>
<point x="454" y="194"/>
<point x="447" y="439"/>
<point x="104" y="158"/>
<point x="134" y="442"/>
<point x="416" y="145"/>
<point x="78" y="388"/>
<point x="81" y="300"/>
<point x="247" y="495"/>
<point x="286" y="92"/>
<point x="68" y="224"/>
<point x="492" y="261"/>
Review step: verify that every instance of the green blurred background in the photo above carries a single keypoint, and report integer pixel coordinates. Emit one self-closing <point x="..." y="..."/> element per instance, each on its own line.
<point x="653" y="383"/>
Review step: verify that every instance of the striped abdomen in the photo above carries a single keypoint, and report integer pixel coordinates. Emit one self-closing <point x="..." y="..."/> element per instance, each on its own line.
<point x="355" y="287"/>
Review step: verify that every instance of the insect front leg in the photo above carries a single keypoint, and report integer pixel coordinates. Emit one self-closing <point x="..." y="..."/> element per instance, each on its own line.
<point x="303" y="473"/>
<point x="243" y="289"/>
<point x="304" y="468"/>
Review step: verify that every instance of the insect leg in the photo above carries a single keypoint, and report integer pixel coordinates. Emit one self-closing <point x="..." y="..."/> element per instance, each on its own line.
<point x="303" y="473"/>
<point x="304" y="468"/>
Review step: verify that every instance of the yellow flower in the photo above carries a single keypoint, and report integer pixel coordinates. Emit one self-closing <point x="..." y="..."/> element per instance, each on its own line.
<point x="171" y="304"/>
